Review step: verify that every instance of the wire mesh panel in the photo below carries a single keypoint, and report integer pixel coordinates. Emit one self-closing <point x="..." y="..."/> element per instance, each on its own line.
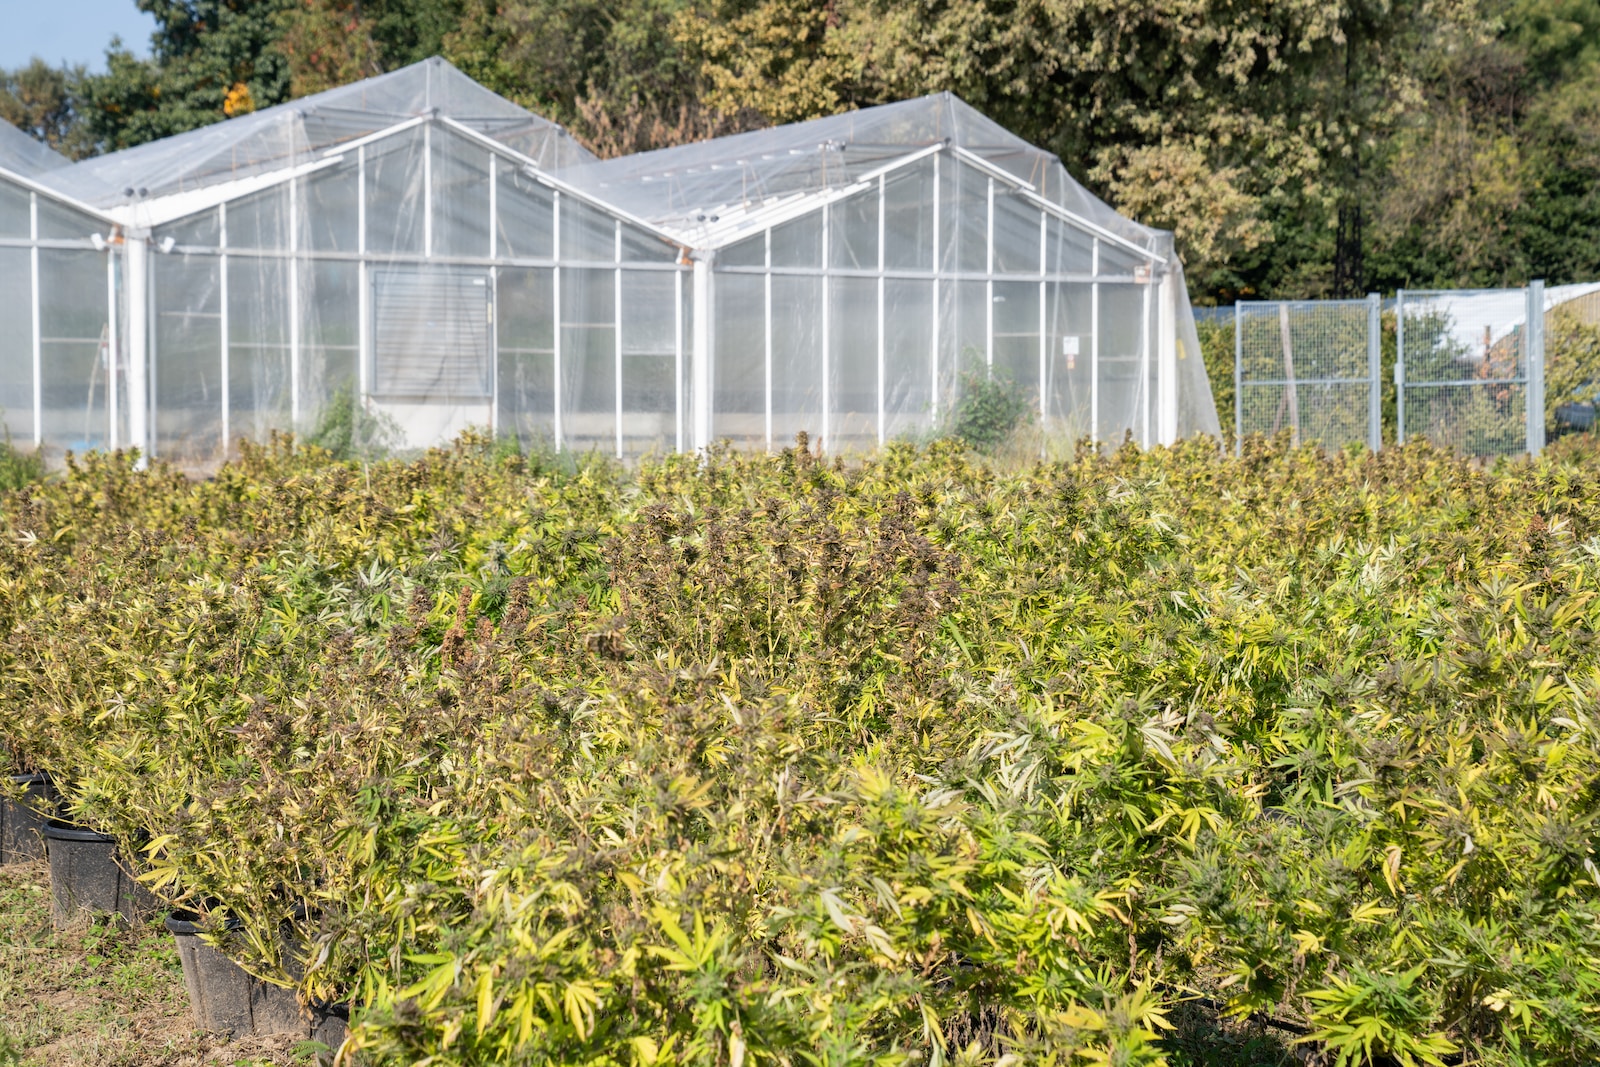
<point x="1309" y="367"/>
<point x="1470" y="372"/>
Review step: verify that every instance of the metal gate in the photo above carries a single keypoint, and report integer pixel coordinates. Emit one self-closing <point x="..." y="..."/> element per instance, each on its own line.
<point x="1470" y="372"/>
<point x="1310" y="367"/>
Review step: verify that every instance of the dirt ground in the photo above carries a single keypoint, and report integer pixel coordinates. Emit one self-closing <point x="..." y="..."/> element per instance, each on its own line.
<point x="102" y="995"/>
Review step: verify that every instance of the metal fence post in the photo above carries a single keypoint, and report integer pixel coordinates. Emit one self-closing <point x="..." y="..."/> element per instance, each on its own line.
<point x="1375" y="371"/>
<point x="1400" y="367"/>
<point x="1238" y="377"/>
<point x="1535" y="354"/>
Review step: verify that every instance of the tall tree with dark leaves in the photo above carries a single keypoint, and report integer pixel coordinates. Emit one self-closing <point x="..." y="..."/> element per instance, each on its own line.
<point x="40" y="100"/>
<point x="212" y="59"/>
<point x="334" y="42"/>
<point x="1216" y="119"/>
<point x="617" y="73"/>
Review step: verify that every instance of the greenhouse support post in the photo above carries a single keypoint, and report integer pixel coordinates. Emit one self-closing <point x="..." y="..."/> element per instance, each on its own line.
<point x="767" y="331"/>
<point x="1374" y="372"/>
<point x="113" y="348"/>
<point x="882" y="340"/>
<point x="1145" y="383"/>
<point x="294" y="307"/>
<point x="223" y="329"/>
<point x="988" y="282"/>
<point x="38" y="325"/>
<point x="933" y="332"/>
<point x="700" y="359"/>
<point x="137" y="243"/>
<point x="1167" y="356"/>
<point x="364" y="367"/>
<point x="555" y="315"/>
<point x="1044" y="338"/>
<point x="827" y="330"/>
<point x="616" y="324"/>
<point x="1094" y="341"/>
<point x="1535" y="358"/>
<point x="677" y="359"/>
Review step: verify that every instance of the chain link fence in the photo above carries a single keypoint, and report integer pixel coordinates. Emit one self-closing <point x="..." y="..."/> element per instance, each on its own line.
<point x="1310" y="367"/>
<point x="1470" y="372"/>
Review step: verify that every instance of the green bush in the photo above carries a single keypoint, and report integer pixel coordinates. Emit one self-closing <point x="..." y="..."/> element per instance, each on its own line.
<point x="989" y="410"/>
<point x="348" y="431"/>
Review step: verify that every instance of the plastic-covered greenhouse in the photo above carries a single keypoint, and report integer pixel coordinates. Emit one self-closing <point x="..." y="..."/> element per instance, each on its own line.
<point x="443" y="258"/>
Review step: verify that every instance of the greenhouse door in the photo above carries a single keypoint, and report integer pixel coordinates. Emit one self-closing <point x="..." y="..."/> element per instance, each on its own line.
<point x="432" y="368"/>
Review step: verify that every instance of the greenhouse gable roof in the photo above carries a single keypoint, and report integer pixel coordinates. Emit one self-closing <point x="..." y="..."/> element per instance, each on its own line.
<point x="291" y="135"/>
<point x="710" y="192"/>
<point x="24" y="156"/>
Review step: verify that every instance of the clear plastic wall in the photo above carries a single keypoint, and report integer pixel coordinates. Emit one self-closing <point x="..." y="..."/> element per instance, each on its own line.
<point x="862" y="320"/>
<point x="416" y="256"/>
<point x="59" y="379"/>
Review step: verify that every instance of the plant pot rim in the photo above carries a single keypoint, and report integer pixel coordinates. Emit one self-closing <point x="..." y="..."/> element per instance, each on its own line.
<point x="187" y="923"/>
<point x="59" y="831"/>
<point x="31" y="778"/>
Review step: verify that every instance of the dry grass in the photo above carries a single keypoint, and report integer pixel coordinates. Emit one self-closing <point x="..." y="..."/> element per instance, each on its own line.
<point x="100" y="995"/>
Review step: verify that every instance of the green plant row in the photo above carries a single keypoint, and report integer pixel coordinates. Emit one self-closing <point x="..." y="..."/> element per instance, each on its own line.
<point x="1131" y="758"/>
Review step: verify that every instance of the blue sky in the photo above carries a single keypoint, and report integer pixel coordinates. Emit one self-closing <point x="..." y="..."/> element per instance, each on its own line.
<point x="76" y="31"/>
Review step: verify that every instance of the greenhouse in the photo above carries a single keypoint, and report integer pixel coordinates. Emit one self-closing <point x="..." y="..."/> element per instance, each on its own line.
<point x="440" y="258"/>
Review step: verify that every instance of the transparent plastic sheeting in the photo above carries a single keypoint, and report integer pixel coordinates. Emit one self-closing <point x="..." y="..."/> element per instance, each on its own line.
<point x="24" y="156"/>
<point x="1470" y="371"/>
<point x="422" y="249"/>
<point x="241" y="153"/>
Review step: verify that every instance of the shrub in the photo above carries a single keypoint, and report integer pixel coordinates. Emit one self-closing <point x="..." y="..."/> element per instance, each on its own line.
<point x="989" y="409"/>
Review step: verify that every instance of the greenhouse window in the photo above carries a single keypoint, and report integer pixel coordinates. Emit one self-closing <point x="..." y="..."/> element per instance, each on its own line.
<point x="431" y="334"/>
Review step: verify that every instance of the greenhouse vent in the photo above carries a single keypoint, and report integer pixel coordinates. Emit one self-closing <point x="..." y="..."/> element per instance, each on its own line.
<point x="420" y="247"/>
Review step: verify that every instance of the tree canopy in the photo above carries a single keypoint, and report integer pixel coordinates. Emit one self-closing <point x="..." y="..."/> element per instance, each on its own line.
<point x="1296" y="147"/>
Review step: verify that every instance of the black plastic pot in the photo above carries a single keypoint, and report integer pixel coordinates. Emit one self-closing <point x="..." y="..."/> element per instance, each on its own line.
<point x="21" y="824"/>
<point x="330" y="1024"/>
<point x="87" y="874"/>
<point x="224" y="997"/>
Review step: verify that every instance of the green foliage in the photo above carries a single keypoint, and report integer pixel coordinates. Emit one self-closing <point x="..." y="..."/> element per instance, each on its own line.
<point x="1217" y="349"/>
<point x="18" y="467"/>
<point x="989" y="410"/>
<point x="39" y="100"/>
<point x="748" y="758"/>
<point x="1572" y="361"/>
<point x="212" y="59"/>
<point x="346" y="430"/>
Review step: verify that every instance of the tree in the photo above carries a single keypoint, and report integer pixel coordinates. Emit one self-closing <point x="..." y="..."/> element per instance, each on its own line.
<point x="615" y="73"/>
<point x="333" y="42"/>
<point x="212" y="59"/>
<point x="1216" y="119"/>
<point x="40" y="100"/>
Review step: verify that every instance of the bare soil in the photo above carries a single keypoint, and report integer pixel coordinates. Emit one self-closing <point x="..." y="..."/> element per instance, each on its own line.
<point x="101" y="994"/>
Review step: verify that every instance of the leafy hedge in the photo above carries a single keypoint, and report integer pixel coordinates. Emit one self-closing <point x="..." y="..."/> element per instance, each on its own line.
<point x="1144" y="757"/>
